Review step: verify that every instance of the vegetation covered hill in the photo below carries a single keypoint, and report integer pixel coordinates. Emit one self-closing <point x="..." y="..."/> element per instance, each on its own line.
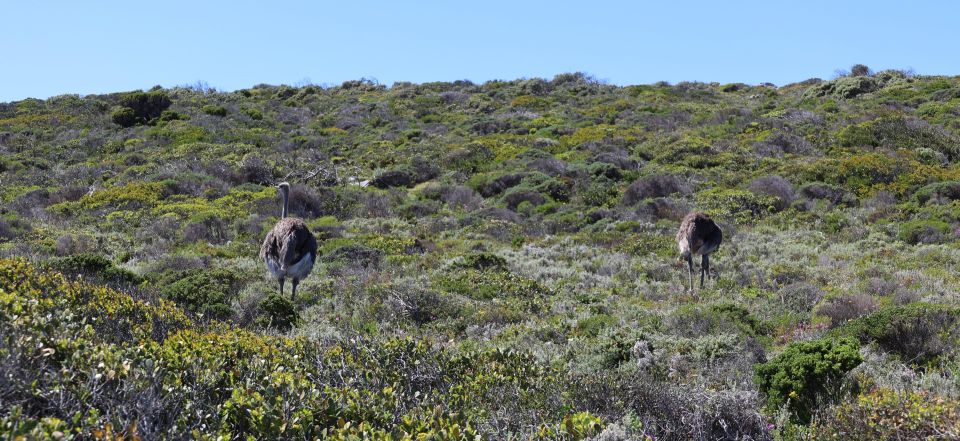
<point x="497" y="260"/>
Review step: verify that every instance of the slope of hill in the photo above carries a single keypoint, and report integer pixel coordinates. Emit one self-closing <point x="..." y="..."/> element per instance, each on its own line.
<point x="496" y="260"/>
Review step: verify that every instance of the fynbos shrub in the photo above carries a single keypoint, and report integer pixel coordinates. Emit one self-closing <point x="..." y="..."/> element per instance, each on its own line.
<point x="806" y="374"/>
<point x="277" y="312"/>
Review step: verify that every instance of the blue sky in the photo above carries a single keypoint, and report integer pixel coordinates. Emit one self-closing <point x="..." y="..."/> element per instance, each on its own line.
<point x="56" y="47"/>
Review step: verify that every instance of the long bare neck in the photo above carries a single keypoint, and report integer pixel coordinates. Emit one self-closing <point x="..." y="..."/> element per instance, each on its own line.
<point x="286" y="201"/>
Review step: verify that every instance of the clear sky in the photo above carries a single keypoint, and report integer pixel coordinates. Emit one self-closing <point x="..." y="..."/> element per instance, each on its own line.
<point x="54" y="47"/>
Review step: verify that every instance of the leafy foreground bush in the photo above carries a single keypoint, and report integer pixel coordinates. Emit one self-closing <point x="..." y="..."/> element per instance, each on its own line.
<point x="886" y="414"/>
<point x="806" y="374"/>
<point x="89" y="362"/>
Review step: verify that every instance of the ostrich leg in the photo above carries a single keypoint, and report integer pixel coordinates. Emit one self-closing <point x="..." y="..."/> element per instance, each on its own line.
<point x="690" y="264"/>
<point x="293" y="295"/>
<point x="703" y="268"/>
<point x="706" y="263"/>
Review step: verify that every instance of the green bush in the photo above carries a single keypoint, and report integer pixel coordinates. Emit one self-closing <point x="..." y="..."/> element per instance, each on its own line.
<point x="206" y="292"/>
<point x="214" y="110"/>
<point x="486" y="285"/>
<point x="844" y="87"/>
<point x="918" y="332"/>
<point x="170" y="115"/>
<point x="124" y="117"/>
<point x="145" y="107"/>
<point x="923" y="231"/>
<point x="806" y="374"/>
<point x="278" y="312"/>
<point x="887" y="414"/>
<point x="470" y="158"/>
<point x="96" y="266"/>
<point x="900" y="132"/>
<point x="938" y="193"/>
<point x="482" y="261"/>
<point x="254" y="114"/>
<point x="739" y="205"/>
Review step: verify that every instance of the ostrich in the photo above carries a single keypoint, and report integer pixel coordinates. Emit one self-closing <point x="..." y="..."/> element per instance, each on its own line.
<point x="289" y="249"/>
<point x="698" y="234"/>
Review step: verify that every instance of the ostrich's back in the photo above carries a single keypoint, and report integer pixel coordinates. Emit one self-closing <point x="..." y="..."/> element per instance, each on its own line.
<point x="698" y="234"/>
<point x="286" y="244"/>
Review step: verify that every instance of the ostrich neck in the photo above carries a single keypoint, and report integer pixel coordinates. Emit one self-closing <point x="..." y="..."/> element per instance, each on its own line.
<point x="286" y="199"/>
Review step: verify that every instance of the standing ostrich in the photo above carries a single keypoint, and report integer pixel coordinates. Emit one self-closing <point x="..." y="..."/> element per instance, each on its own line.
<point x="698" y="234"/>
<point x="289" y="249"/>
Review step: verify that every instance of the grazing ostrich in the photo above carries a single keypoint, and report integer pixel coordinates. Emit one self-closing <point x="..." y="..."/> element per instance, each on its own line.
<point x="289" y="249"/>
<point x="698" y="234"/>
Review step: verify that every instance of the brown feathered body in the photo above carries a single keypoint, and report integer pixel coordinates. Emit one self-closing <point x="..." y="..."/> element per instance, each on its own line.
<point x="698" y="235"/>
<point x="290" y="249"/>
<point x="287" y="246"/>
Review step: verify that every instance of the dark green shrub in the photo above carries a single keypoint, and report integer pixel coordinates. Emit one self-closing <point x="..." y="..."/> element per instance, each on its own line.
<point x="394" y="178"/>
<point x="470" y="159"/>
<point x="806" y="374"/>
<point x="254" y="114"/>
<point x="938" y="193"/>
<point x="422" y="169"/>
<point x="606" y="170"/>
<point x="483" y="261"/>
<point x="554" y="188"/>
<point x="11" y="227"/>
<point x="599" y="194"/>
<point x="491" y="185"/>
<point x="214" y="110"/>
<point x="96" y="266"/>
<point x="845" y="87"/>
<point x="900" y="132"/>
<point x="170" y="115"/>
<point x="278" y="312"/>
<point x="918" y="332"/>
<point x="145" y="105"/>
<point x="206" y="292"/>
<point x="418" y="209"/>
<point x="124" y="117"/>
<point x="923" y="231"/>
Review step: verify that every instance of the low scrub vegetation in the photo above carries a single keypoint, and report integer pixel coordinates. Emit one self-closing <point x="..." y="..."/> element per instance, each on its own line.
<point x="495" y="261"/>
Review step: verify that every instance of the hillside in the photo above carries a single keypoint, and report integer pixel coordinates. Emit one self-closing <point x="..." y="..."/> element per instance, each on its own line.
<point x="496" y="260"/>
